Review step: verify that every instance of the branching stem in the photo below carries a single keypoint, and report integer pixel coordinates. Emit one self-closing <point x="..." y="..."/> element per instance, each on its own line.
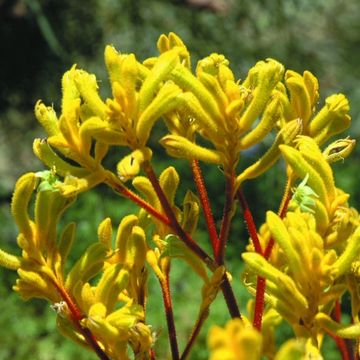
<point x="174" y="224"/>
<point x="76" y="317"/>
<point x="209" y="218"/>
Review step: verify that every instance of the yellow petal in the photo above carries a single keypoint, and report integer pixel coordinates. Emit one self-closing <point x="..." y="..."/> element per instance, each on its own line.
<point x="281" y="236"/>
<point x="105" y="233"/>
<point x="88" y="89"/>
<point x="301" y="167"/>
<point x="164" y="102"/>
<point x="165" y="63"/>
<point x="343" y="263"/>
<point x="270" y="116"/>
<point x="44" y="152"/>
<point x="123" y="234"/>
<point x="285" y="136"/>
<point x="130" y="165"/>
<point x="267" y="75"/>
<point x="46" y="116"/>
<point x="188" y="82"/>
<point x="169" y="182"/>
<point x="9" y="261"/>
<point x="180" y="147"/>
<point x="299" y="96"/>
<point x="332" y="119"/>
<point x="24" y="188"/>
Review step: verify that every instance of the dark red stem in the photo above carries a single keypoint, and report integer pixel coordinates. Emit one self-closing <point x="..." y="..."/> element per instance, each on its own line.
<point x="229" y="297"/>
<point x="165" y="287"/>
<point x="194" y="335"/>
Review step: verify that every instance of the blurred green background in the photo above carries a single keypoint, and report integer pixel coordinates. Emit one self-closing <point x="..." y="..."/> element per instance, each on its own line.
<point x="41" y="39"/>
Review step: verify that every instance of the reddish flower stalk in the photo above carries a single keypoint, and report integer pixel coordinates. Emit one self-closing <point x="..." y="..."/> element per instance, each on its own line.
<point x="209" y="218"/>
<point x="76" y="317"/>
<point x="261" y="282"/>
<point x="123" y="190"/>
<point x="229" y="297"/>
<point x="337" y="311"/>
<point x="226" y="220"/>
<point x="341" y="344"/>
<point x="212" y="265"/>
<point x="152" y="354"/>
<point x="165" y="288"/>
<point x="249" y="221"/>
<point x="259" y="302"/>
<point x="205" y="203"/>
<point x="200" y="321"/>
<point x="174" y="224"/>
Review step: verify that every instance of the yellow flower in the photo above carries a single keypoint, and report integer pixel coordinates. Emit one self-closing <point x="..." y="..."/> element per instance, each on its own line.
<point x="237" y="341"/>
<point x="222" y="110"/>
<point x="301" y="103"/>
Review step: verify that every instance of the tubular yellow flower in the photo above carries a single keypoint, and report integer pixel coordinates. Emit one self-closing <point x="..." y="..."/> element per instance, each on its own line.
<point x="237" y="341"/>
<point x="332" y="119"/>
<point x="339" y="150"/>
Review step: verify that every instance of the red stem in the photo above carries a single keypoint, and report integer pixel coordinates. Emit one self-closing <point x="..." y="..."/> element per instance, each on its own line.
<point x="226" y="220"/>
<point x="194" y="335"/>
<point x="209" y="218"/>
<point x="337" y="311"/>
<point x="229" y="297"/>
<point x="261" y="282"/>
<point x="259" y="302"/>
<point x="152" y="354"/>
<point x="174" y="224"/>
<point x="249" y="221"/>
<point x="205" y="203"/>
<point x="341" y="344"/>
<point x="225" y="286"/>
<point x="76" y="317"/>
<point x="120" y="188"/>
<point x="165" y="287"/>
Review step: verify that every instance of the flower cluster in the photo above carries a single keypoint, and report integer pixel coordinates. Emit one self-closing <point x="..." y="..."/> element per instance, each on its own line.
<point x="300" y="262"/>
